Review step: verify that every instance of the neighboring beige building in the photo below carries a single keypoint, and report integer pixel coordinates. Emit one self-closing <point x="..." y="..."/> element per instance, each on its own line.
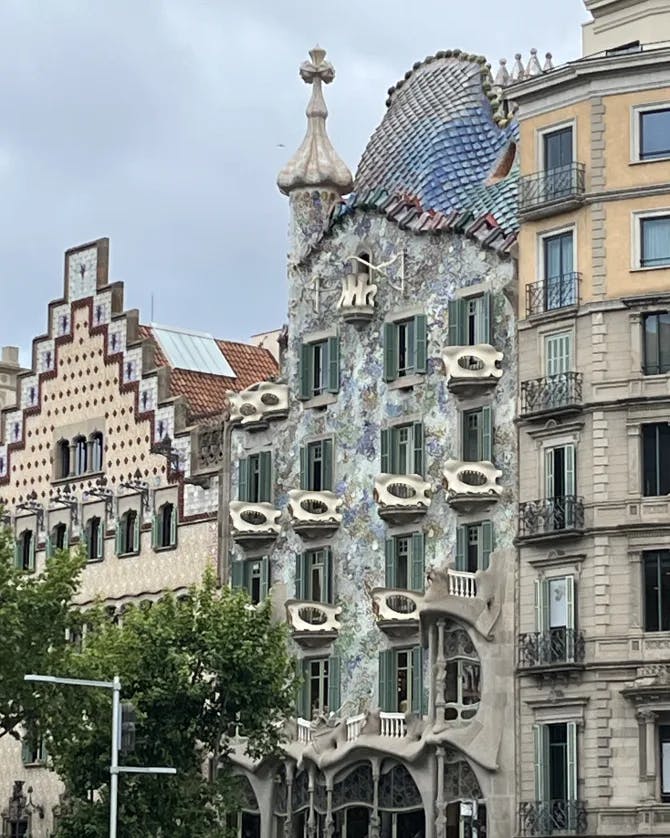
<point x="593" y="688"/>
<point x="98" y="449"/>
<point x="9" y="370"/>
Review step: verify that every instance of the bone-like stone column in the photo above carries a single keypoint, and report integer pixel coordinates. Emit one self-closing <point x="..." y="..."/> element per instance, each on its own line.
<point x="440" y="810"/>
<point x="330" y="822"/>
<point x="311" y="822"/>
<point x="375" y="822"/>
<point x="432" y="632"/>
<point x="288" y="823"/>
<point x="440" y="673"/>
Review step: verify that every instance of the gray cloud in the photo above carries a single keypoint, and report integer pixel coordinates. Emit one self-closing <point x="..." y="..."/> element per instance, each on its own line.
<point x="159" y="124"/>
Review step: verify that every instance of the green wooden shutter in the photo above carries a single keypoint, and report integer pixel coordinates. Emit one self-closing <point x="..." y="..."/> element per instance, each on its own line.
<point x="174" y="523"/>
<point x="18" y="555"/>
<point x="300" y="576"/>
<point x="570" y="618"/>
<point x="265" y="466"/>
<point x="333" y="365"/>
<point x="66" y="539"/>
<point x="243" y="480"/>
<point x="570" y="477"/>
<point x="456" y="323"/>
<point x="328" y="574"/>
<point x="136" y="534"/>
<point x="265" y="576"/>
<point x="386" y="451"/>
<point x="540" y="760"/>
<point x="487" y="434"/>
<point x="327" y="468"/>
<point x="417" y="436"/>
<point x="541" y="604"/>
<point x="487" y="305"/>
<point x="303" y="709"/>
<point x="390" y="563"/>
<point x="155" y="530"/>
<point x="304" y="481"/>
<point x="334" y="698"/>
<point x="118" y="536"/>
<point x="101" y="539"/>
<point x="48" y="547"/>
<point x="417" y="680"/>
<point x="237" y="573"/>
<point x="487" y="543"/>
<point x="387" y="694"/>
<point x="461" y="545"/>
<point x="420" y="343"/>
<point x="549" y="474"/>
<point x="572" y="760"/>
<point x="417" y="573"/>
<point x="305" y="371"/>
<point x="390" y="352"/>
<point x="26" y="750"/>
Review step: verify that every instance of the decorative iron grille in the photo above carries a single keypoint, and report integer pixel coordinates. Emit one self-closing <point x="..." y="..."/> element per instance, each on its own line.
<point x="548" y="817"/>
<point x="552" y="392"/>
<point x="553" y="293"/>
<point x="560" y="184"/>
<point x="551" y="515"/>
<point x="553" y="647"/>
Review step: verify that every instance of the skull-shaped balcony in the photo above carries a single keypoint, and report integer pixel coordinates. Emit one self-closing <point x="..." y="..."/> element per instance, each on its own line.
<point x="254" y="407"/>
<point x="253" y="524"/>
<point x="314" y="514"/>
<point x="471" y="485"/>
<point x="397" y="611"/>
<point x="313" y="624"/>
<point x="401" y="498"/>
<point x="472" y="369"/>
<point x="357" y="300"/>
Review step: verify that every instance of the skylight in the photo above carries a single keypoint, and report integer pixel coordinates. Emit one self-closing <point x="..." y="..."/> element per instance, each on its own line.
<point x="195" y="351"/>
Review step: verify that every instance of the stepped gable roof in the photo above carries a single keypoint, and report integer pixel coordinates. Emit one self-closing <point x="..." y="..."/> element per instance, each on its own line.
<point x="441" y="138"/>
<point x="205" y="392"/>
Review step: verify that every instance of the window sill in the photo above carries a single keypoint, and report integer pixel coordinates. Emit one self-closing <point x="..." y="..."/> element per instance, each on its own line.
<point x="72" y="478"/>
<point x="407" y="382"/>
<point x="320" y="401"/>
<point x="664" y="159"/>
<point x="166" y="549"/>
<point x="127" y="555"/>
<point x="641" y="269"/>
<point x="40" y="763"/>
<point x="95" y="561"/>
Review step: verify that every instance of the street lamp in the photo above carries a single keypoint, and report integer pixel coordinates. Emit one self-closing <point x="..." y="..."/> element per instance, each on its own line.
<point x="114" y="768"/>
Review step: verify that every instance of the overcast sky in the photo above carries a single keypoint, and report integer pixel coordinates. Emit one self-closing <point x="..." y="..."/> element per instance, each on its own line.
<point x="163" y="123"/>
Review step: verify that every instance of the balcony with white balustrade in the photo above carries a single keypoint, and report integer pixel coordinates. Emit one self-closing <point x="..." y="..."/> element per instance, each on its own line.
<point x="313" y="624"/>
<point x="401" y="498"/>
<point x="253" y="524"/>
<point x="472" y="370"/>
<point x="471" y="486"/>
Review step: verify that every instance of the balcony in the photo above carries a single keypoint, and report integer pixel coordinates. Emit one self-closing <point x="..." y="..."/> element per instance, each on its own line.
<point x="253" y="524"/>
<point x="397" y="610"/>
<point x="357" y="301"/>
<point x="551" y="518"/>
<point x="472" y="369"/>
<point x="252" y="408"/>
<point x="461" y="583"/>
<point x="401" y="498"/>
<point x="552" y="817"/>
<point x="552" y="191"/>
<point x="471" y="485"/>
<point x="556" y="394"/>
<point x="553" y="294"/>
<point x="376" y="723"/>
<point x="313" y="623"/>
<point x="314" y="514"/>
<point x="554" y="650"/>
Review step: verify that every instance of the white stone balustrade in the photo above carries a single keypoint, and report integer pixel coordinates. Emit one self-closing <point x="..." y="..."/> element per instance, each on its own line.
<point x="357" y="301"/>
<point x="304" y="728"/>
<point x="396" y="604"/>
<point x="305" y="616"/>
<point x="401" y="492"/>
<point x="259" y="403"/>
<point x="393" y="724"/>
<point x="253" y="521"/>
<point x="462" y="583"/>
<point x="354" y="726"/>
<point x="472" y="479"/>
<point x="479" y="362"/>
<point x="314" y="510"/>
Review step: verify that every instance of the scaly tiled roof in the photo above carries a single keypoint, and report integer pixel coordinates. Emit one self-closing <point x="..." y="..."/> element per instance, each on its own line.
<point x="440" y="139"/>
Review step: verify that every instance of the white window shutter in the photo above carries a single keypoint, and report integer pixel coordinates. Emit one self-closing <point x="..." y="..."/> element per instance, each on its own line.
<point x="572" y="760"/>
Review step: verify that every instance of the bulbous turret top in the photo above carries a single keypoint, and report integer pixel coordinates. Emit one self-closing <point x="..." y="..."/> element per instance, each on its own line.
<point x="316" y="164"/>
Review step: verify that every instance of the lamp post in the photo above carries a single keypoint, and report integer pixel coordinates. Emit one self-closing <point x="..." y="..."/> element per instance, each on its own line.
<point x="114" y="768"/>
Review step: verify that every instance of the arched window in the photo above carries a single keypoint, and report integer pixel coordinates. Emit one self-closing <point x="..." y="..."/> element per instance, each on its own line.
<point x="58" y="539"/>
<point x="24" y="554"/>
<point x="165" y="527"/>
<point x="80" y="455"/>
<point x="128" y="534"/>
<point x="96" y="445"/>
<point x="63" y="462"/>
<point x="94" y="539"/>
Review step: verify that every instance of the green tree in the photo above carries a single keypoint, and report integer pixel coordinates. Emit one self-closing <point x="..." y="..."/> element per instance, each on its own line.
<point x="197" y="669"/>
<point x="35" y="612"/>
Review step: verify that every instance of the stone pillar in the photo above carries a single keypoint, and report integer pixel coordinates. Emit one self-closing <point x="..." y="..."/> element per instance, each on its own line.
<point x="440" y="674"/>
<point x="330" y="823"/>
<point x="431" y="686"/>
<point x="647" y="721"/>
<point x="440" y="807"/>
<point x="311" y="821"/>
<point x="375" y="821"/>
<point x="288" y="823"/>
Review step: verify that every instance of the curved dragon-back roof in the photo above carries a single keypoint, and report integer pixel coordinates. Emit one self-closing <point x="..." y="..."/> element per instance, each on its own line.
<point x="441" y="141"/>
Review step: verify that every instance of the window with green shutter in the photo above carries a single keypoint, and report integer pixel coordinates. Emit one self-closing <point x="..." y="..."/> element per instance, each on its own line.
<point x="405" y="562"/>
<point x="128" y="534"/>
<point x="320" y="692"/>
<point x="477" y="433"/>
<point x="252" y="576"/>
<point x="401" y="681"/>
<point x="24" y="550"/>
<point x="555" y="748"/>
<point x="402" y="449"/>
<point x="164" y="528"/>
<point x="94" y="539"/>
<point x="470" y="320"/>
<point x="316" y="466"/>
<point x="474" y="544"/>
<point x="314" y="575"/>
<point x="405" y="347"/>
<point x="33" y="750"/>
<point x="255" y="478"/>
<point x="319" y="368"/>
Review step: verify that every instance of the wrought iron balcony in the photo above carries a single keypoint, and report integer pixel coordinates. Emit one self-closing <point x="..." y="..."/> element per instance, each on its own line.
<point x="553" y="293"/>
<point x="551" y="817"/>
<point x="552" y="190"/>
<point x="552" y="649"/>
<point x="552" y="394"/>
<point x="551" y="517"/>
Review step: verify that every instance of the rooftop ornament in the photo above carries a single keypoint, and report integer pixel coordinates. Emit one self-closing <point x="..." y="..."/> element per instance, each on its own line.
<point x="316" y="164"/>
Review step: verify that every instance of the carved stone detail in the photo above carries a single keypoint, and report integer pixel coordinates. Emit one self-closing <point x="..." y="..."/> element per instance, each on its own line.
<point x="314" y="512"/>
<point x="314" y="618"/>
<point x="357" y="301"/>
<point x="471" y="365"/>
<point x="470" y="483"/>
<point x="253" y="521"/>
<point x="401" y="495"/>
<point x="259" y="403"/>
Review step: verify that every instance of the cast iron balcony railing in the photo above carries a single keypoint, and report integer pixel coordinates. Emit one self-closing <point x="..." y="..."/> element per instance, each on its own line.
<point x="548" y="517"/>
<point x="553" y="293"/>
<point x="551" y="817"/>
<point x="541" y="191"/>
<point x="555" y="647"/>
<point x="552" y="393"/>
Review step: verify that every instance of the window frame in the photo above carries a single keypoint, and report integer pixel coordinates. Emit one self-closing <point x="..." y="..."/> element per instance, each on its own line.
<point x="303" y="578"/>
<point x="416" y="346"/>
<point x="327" y="464"/>
<point x="388" y="680"/>
<point x="33" y="753"/>
<point x="484" y="433"/>
<point x="486" y="545"/>
<point x="389" y="447"/>
<point x="51" y="545"/>
<point x="540" y="135"/>
<point x="663" y="736"/>
<point x="159" y="527"/>
<point x="100" y="539"/>
<point x="265" y="477"/>
<point x="659" y="472"/>
<point x="330" y="349"/>
<point x="330" y="689"/>
<point x="657" y="556"/>
<point x="543" y="791"/>
<point x="457" y="334"/>
<point x="121" y="534"/>
<point x="636" y="129"/>
<point x="663" y="369"/>
<point x="636" y="236"/>
<point x="24" y="558"/>
<point x="416" y="561"/>
<point x="241" y="572"/>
